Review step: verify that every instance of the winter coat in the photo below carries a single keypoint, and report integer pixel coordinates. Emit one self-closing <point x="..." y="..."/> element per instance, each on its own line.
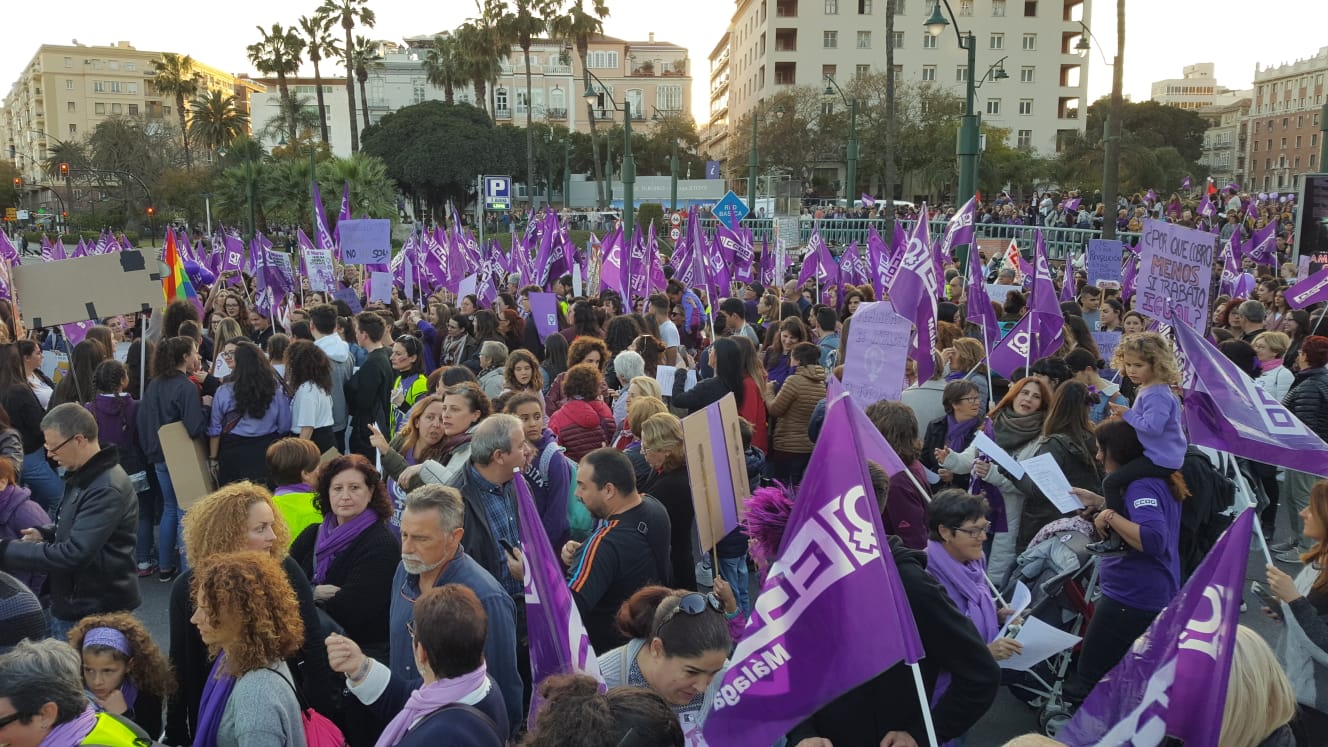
<point x="582" y="426"/>
<point x="18" y="512"/>
<point x="1308" y="399"/>
<point x="793" y="407"/>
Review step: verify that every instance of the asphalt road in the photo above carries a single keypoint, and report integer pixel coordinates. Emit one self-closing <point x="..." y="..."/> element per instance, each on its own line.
<point x="1007" y="718"/>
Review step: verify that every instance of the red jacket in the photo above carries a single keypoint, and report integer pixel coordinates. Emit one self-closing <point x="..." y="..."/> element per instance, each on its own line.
<point x="582" y="426"/>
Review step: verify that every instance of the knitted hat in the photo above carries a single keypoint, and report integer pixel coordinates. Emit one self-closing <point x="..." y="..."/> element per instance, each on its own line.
<point x="20" y="614"/>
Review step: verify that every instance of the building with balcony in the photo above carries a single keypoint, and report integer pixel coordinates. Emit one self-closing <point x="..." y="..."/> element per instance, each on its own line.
<point x="1225" y="141"/>
<point x="1196" y="89"/>
<point x="1283" y="123"/>
<point x="776" y="44"/>
<point x="66" y="90"/>
<point x="716" y="126"/>
<point x="269" y="127"/>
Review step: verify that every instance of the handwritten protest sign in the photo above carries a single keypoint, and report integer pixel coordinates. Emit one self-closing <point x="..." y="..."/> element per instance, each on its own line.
<point x="878" y="339"/>
<point x="1103" y="263"/>
<point x="366" y="242"/>
<point x="1174" y="271"/>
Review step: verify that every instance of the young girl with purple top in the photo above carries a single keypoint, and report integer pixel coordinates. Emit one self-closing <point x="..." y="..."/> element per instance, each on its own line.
<point x="1147" y="360"/>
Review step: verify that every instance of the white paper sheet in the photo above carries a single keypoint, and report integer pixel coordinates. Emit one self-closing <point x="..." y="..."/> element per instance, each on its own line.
<point x="998" y="455"/>
<point x="1040" y="641"/>
<point x="665" y="376"/>
<point x="1018" y="602"/>
<point x="1047" y="475"/>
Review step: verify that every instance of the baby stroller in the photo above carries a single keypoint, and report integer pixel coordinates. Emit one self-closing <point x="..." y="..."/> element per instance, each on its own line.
<point x="1062" y="575"/>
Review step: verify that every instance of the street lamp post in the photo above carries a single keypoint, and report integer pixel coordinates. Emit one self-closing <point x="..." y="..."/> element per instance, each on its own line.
<point x="673" y="166"/>
<point x="967" y="148"/>
<point x="628" y="162"/>
<point x="752" y="161"/>
<point x="567" y="170"/>
<point x="831" y="87"/>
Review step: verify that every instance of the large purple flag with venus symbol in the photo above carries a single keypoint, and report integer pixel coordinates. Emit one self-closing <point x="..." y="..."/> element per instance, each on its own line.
<point x="1027" y="341"/>
<point x="1224" y="410"/>
<point x="800" y="650"/>
<point x="1173" y="682"/>
<point x="913" y="293"/>
<point x="558" y="640"/>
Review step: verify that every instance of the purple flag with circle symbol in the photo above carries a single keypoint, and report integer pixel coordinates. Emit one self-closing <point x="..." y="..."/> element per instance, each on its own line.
<point x="799" y="649"/>
<point x="978" y="304"/>
<point x="1037" y="335"/>
<point x="1224" y="410"/>
<point x="878" y="260"/>
<point x="1231" y="266"/>
<point x="1173" y="681"/>
<point x="914" y="295"/>
<point x="544" y="312"/>
<point x="558" y="640"/>
<point x="814" y="260"/>
<point x="1262" y="247"/>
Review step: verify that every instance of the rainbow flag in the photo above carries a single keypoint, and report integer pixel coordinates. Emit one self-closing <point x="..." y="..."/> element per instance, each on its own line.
<point x="176" y="284"/>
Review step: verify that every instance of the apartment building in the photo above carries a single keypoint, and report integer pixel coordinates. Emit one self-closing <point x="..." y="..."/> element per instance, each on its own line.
<point x="1226" y="140"/>
<point x="1284" y="122"/>
<point x="1196" y="89"/>
<point x="267" y="121"/>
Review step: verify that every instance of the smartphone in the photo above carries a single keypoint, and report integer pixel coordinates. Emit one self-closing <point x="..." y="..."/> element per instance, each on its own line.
<point x="1266" y="596"/>
<point x="507" y="547"/>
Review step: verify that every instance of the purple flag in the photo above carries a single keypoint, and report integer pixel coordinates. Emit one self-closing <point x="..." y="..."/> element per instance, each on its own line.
<point x="8" y="251"/>
<point x="1037" y="335"/>
<point x="1185" y="183"/>
<point x="799" y="650"/>
<point x="1226" y="411"/>
<point x="322" y="235"/>
<point x="958" y="232"/>
<point x="868" y="201"/>
<point x="815" y="259"/>
<point x="76" y="332"/>
<point x="767" y="272"/>
<point x="1129" y="276"/>
<point x="1072" y="204"/>
<point x="612" y="261"/>
<point x="914" y="295"/>
<point x="878" y="260"/>
<point x="1206" y="208"/>
<point x="1312" y="289"/>
<point x="1231" y="266"/>
<point x="558" y="640"/>
<point x="874" y="446"/>
<point x="1262" y="247"/>
<point x="978" y="303"/>
<point x="1173" y="681"/>
<point x="1067" y="283"/>
<point x="638" y="267"/>
<point x="544" y="312"/>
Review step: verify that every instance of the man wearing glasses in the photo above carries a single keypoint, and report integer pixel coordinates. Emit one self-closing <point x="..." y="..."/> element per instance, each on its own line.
<point x="88" y="553"/>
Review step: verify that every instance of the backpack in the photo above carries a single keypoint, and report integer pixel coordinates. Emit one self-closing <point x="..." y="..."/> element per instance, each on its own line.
<point x="579" y="520"/>
<point x="319" y="731"/>
<point x="1203" y="515"/>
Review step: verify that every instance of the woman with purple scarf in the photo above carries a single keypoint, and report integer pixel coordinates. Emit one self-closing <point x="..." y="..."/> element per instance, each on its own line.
<point x="247" y="614"/>
<point x="352" y="555"/>
<point x="458" y="703"/>
<point x="962" y="401"/>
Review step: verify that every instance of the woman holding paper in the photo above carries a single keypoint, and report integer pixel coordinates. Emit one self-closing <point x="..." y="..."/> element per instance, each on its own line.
<point x="1139" y="583"/>
<point x="954" y="432"/>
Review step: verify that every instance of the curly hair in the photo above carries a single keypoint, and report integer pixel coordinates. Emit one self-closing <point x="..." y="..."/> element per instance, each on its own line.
<point x="620" y="333"/>
<point x="305" y="361"/>
<point x="378" y="500"/>
<point x="254" y="381"/>
<point x="177" y="312"/>
<point x="509" y="372"/>
<point x="217" y="523"/>
<point x="582" y="380"/>
<point x="253" y="590"/>
<point x="575" y="712"/>
<point x="1153" y="349"/>
<point x="584" y="346"/>
<point x="147" y="668"/>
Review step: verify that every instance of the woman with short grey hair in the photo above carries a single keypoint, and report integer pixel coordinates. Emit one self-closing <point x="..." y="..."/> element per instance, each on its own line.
<point x="493" y="356"/>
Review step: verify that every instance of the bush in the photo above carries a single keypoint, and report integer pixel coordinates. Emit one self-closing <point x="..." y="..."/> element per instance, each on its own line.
<point x="648" y="212"/>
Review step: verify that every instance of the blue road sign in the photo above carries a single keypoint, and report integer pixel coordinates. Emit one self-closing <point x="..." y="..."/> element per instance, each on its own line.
<point x="497" y="193"/>
<point x="730" y="210"/>
<point x="712" y="169"/>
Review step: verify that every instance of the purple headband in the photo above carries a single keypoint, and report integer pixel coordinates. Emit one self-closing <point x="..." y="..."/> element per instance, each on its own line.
<point x="107" y="637"/>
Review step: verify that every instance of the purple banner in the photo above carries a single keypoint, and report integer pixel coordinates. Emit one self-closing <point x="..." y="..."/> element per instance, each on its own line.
<point x="914" y="295"/>
<point x="1173" y="681"/>
<point x="1035" y="336"/>
<point x="879" y="339"/>
<point x="1312" y="289"/>
<point x="799" y="651"/>
<point x="1175" y="264"/>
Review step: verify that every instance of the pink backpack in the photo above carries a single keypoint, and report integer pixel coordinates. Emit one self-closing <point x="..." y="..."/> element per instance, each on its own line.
<point x="319" y="731"/>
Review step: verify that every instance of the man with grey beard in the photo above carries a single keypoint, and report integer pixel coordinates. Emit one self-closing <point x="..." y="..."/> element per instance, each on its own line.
<point x="432" y="555"/>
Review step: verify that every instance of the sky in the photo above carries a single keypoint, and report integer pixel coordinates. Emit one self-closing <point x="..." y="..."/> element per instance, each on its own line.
<point x="1161" y="38"/>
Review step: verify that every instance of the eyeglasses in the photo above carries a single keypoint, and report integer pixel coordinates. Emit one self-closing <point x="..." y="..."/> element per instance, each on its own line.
<point x="691" y="605"/>
<point x="228" y="354"/>
<point x="410" y="628"/>
<point x="11" y="718"/>
<point x="975" y="532"/>
<point x="49" y="452"/>
<point x="973" y="400"/>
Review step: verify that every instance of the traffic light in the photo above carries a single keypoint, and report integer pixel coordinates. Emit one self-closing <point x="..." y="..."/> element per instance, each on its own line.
<point x="64" y="213"/>
<point x="18" y="182"/>
<point x="64" y="169"/>
<point x="151" y="211"/>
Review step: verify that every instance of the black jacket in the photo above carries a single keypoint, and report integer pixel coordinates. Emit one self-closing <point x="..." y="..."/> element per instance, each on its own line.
<point x="706" y="392"/>
<point x="167" y="400"/>
<point x="858" y="718"/>
<point x="88" y="555"/>
<point x="1308" y="399"/>
<point x="1079" y="464"/>
<point x="25" y="413"/>
<point x="368" y="394"/>
<point x="364" y="572"/>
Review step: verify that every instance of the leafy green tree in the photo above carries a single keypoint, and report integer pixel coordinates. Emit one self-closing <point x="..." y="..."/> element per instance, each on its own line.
<point x="174" y="75"/>
<point x="789" y="137"/>
<point x="76" y="153"/>
<point x="278" y="53"/>
<point x="215" y="120"/>
<point x="347" y="13"/>
<point x="318" y="45"/>
<point x="577" y="26"/>
<point x="1153" y="125"/>
<point x="8" y="195"/>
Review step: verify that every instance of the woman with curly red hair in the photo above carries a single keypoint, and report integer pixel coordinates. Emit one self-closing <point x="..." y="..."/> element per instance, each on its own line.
<point x="352" y="556"/>
<point x="247" y="615"/>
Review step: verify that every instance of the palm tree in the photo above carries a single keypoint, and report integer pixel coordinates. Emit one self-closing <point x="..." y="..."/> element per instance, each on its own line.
<point x="215" y="119"/>
<point x="480" y="55"/>
<point x="365" y="52"/>
<point x="442" y="66"/>
<point x="347" y="12"/>
<point x="521" y="27"/>
<point x="306" y="122"/>
<point x="577" y="27"/>
<point x="278" y="53"/>
<point x="318" y="44"/>
<point x="175" y="76"/>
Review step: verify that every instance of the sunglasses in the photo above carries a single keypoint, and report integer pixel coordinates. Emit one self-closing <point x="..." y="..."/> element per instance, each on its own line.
<point x="692" y="605"/>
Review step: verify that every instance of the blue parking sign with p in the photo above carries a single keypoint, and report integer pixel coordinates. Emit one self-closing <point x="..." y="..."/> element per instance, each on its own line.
<point x="497" y="192"/>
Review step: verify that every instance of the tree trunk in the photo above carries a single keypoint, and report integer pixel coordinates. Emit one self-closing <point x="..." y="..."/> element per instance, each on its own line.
<point x="890" y="143"/>
<point x="597" y="169"/>
<point x="481" y="86"/>
<point x="350" y="88"/>
<point x="184" y="131"/>
<point x="288" y="105"/>
<point x="530" y="134"/>
<point x="1111" y="143"/>
<point x="322" y="108"/>
<point x="364" y="102"/>
<point x="449" y="93"/>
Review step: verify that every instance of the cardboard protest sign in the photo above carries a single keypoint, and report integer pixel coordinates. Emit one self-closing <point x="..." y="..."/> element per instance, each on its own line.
<point x="365" y="242"/>
<point x="878" y="340"/>
<point x="318" y="266"/>
<point x="95" y="287"/>
<point x="1174" y="272"/>
<point x="186" y="459"/>
<point x="380" y="287"/>
<point x="716" y="469"/>
<point x="1102" y="263"/>
<point x="351" y="298"/>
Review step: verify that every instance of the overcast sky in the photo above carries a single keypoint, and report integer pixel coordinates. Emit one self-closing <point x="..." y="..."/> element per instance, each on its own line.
<point x="1162" y="36"/>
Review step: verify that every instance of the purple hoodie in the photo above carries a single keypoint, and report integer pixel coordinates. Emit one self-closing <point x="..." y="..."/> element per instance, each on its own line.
<point x="18" y="512"/>
<point x="550" y="479"/>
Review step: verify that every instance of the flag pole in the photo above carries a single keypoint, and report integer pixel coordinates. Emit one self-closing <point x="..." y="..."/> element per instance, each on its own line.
<point x="922" y="700"/>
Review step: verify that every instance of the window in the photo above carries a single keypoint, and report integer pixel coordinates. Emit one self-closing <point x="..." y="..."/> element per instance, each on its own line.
<point x="1026" y="74"/>
<point x="830" y="39"/>
<point x="899" y="8"/>
<point x="601" y="60"/>
<point x="133" y="87"/>
<point x="1256" y="146"/>
<point x="929" y="72"/>
<point x="636" y="101"/>
<point x="829" y="71"/>
<point x="864" y="39"/>
<point x="862" y="71"/>
<point x="669" y="97"/>
<point x="69" y="62"/>
<point x="500" y="101"/>
<point x="131" y="66"/>
<point x="1314" y="141"/>
<point x="417" y="90"/>
<point x="73" y="129"/>
<point x="898" y="40"/>
<point x="69" y="106"/>
<point x="832" y="7"/>
<point x="115" y="86"/>
<point x="98" y="108"/>
<point x="117" y="109"/>
<point x="113" y="64"/>
<point x="965" y="7"/>
<point x="98" y="86"/>
<point x="1026" y="106"/>
<point x="994" y="107"/>
<point x="1030" y="8"/>
<point x="133" y="110"/>
<point x="928" y="41"/>
<point x="1025" y="139"/>
<point x="864" y="7"/>
<point x="998" y="41"/>
<point x="961" y="74"/>
<point x="1030" y="42"/>
<point x="1284" y="143"/>
<point x="998" y="7"/>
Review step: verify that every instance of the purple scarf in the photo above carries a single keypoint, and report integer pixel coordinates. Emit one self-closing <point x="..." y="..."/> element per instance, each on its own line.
<point x="967" y="586"/>
<point x="959" y="435"/>
<point x="428" y="699"/>
<point x="216" y="694"/>
<point x="333" y="538"/>
<point x="72" y="733"/>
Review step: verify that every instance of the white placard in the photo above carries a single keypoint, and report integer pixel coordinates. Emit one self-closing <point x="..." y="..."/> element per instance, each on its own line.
<point x="1002" y="457"/>
<point x="665" y="375"/>
<point x="1047" y="475"/>
<point x="1039" y="641"/>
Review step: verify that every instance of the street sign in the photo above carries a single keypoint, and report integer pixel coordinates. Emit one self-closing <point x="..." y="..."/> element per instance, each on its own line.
<point x="497" y="193"/>
<point x="675" y="219"/>
<point x="730" y="210"/>
<point x="11" y="213"/>
<point x="675" y="233"/>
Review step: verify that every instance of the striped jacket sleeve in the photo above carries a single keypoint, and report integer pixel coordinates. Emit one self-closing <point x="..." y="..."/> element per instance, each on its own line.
<point x="594" y="568"/>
